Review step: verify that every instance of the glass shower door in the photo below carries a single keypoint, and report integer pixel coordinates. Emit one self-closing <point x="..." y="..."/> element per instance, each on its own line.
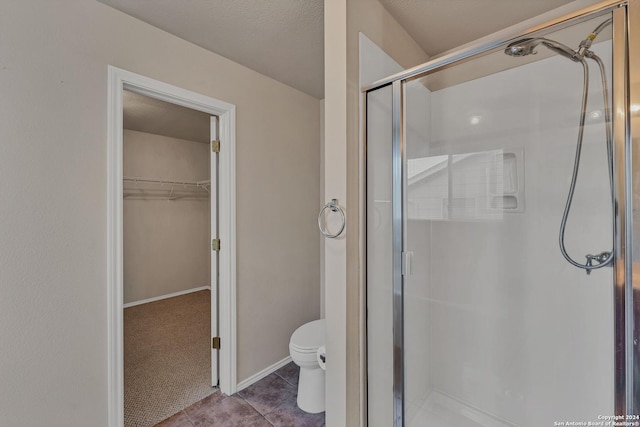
<point x="498" y="329"/>
<point x="516" y="335"/>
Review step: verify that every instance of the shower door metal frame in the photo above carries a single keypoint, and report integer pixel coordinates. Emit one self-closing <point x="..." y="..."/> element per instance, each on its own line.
<point x="397" y="232"/>
<point x="626" y="134"/>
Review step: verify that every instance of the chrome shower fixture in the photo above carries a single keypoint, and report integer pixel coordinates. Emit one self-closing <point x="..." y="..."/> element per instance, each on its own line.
<point x="527" y="46"/>
<point x="524" y="47"/>
<point x="586" y="43"/>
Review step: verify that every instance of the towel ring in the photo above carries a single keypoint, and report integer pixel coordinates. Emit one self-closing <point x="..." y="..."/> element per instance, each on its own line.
<point x="334" y="207"/>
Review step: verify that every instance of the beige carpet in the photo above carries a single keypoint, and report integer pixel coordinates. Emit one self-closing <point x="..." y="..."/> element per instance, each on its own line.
<point x="167" y="358"/>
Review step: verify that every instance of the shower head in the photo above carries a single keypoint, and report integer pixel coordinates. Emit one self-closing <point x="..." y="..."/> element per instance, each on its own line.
<point x="525" y="47"/>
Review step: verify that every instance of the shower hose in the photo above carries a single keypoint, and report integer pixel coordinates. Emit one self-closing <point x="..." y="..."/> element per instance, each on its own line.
<point x="604" y="258"/>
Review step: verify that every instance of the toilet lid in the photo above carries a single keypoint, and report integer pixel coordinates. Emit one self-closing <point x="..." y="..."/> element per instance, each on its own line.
<point x="309" y="336"/>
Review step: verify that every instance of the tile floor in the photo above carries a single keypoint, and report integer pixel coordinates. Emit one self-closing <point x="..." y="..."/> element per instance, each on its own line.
<point x="271" y="402"/>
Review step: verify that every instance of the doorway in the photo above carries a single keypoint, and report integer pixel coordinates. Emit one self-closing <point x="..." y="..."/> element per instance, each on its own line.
<point x="219" y="187"/>
<point x="169" y="267"/>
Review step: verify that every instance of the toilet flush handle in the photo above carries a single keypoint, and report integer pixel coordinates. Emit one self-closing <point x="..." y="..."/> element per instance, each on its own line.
<point x="321" y="356"/>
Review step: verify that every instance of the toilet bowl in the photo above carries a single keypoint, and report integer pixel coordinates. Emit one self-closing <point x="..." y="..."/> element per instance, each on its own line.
<point x="303" y="348"/>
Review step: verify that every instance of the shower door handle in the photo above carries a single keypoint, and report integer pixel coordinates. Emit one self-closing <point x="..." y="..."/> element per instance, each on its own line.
<point x="407" y="263"/>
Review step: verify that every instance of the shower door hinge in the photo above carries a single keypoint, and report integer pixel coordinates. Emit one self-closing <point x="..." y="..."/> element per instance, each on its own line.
<point x="215" y="244"/>
<point x="215" y="343"/>
<point x="215" y="146"/>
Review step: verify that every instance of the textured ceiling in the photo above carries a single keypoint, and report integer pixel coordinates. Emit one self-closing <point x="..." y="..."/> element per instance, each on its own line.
<point x="150" y="115"/>
<point x="440" y="25"/>
<point x="283" y="39"/>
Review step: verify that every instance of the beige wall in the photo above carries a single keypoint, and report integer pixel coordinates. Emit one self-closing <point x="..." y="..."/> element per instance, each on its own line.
<point x="322" y="203"/>
<point x="166" y="242"/>
<point x="344" y="20"/>
<point x="53" y="180"/>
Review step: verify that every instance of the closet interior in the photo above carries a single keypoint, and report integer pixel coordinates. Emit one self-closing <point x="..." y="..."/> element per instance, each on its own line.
<point x="167" y="258"/>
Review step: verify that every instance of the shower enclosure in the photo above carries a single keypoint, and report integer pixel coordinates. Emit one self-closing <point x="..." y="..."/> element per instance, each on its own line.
<point x="500" y="230"/>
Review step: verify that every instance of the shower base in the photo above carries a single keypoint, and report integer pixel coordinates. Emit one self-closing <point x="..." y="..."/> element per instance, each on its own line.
<point x="440" y="410"/>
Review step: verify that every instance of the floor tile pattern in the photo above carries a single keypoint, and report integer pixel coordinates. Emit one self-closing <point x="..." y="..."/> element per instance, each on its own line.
<point x="270" y="402"/>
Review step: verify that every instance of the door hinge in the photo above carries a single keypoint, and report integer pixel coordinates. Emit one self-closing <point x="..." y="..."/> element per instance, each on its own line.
<point x="215" y="146"/>
<point x="215" y="343"/>
<point x="215" y="244"/>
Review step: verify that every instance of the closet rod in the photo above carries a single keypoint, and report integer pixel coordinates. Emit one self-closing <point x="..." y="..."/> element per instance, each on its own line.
<point x="203" y="184"/>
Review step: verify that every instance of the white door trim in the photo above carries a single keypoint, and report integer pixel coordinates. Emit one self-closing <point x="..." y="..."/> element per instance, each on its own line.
<point x="213" y="255"/>
<point x="118" y="80"/>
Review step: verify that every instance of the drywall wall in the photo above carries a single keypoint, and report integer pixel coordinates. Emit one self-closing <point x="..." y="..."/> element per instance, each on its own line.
<point x="53" y="179"/>
<point x="322" y="202"/>
<point x="166" y="242"/>
<point x="344" y="21"/>
<point x="335" y="262"/>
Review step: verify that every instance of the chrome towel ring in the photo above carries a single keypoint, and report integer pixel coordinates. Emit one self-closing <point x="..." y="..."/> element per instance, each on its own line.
<point x="333" y="206"/>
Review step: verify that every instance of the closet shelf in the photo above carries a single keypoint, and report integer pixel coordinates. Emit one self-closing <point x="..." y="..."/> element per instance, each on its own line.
<point x="170" y="189"/>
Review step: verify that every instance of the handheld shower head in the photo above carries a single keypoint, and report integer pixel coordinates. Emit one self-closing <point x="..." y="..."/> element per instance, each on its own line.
<point x="525" y="47"/>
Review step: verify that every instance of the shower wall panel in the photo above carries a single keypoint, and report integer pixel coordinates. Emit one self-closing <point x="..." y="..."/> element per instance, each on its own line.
<point x="379" y="266"/>
<point x="499" y="328"/>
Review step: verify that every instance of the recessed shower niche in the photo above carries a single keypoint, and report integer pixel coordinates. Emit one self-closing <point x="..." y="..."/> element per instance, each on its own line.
<point x="507" y="188"/>
<point x="467" y="186"/>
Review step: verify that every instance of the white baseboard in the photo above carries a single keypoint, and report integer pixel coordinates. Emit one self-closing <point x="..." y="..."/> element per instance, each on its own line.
<point x="260" y="375"/>
<point x="161" y="297"/>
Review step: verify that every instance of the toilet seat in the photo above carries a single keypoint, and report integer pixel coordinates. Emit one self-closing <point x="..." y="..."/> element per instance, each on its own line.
<point x="308" y="337"/>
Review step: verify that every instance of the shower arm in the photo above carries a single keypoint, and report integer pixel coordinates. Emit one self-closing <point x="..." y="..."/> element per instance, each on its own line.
<point x="585" y="44"/>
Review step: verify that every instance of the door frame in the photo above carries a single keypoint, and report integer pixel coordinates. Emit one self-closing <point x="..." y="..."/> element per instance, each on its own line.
<point x="118" y="80"/>
<point x="214" y="234"/>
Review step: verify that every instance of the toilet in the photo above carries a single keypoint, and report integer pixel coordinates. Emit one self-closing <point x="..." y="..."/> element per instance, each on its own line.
<point x="303" y="347"/>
